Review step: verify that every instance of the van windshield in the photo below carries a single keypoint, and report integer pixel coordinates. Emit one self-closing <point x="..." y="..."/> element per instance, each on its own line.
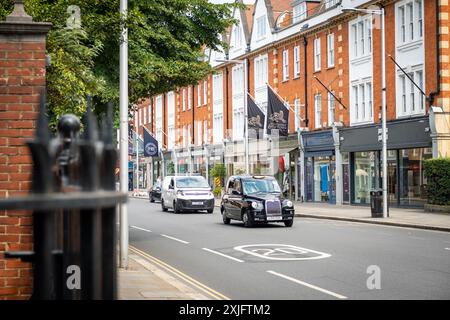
<point x="192" y="182"/>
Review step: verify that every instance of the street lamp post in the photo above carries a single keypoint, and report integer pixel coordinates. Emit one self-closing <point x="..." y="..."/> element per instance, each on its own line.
<point x="381" y="13"/>
<point x="244" y="63"/>
<point x="124" y="138"/>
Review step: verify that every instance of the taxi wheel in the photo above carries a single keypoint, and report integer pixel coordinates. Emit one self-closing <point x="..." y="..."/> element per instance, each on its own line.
<point x="246" y="219"/>
<point x="225" y="219"/>
<point x="289" y="223"/>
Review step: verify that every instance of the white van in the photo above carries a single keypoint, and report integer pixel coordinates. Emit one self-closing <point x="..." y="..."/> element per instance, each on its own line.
<point x="186" y="193"/>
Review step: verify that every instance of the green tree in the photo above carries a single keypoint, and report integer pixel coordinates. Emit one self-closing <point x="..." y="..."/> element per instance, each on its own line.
<point x="165" y="40"/>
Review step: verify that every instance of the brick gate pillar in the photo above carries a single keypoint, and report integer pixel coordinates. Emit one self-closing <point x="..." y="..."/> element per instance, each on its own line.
<point x="22" y="78"/>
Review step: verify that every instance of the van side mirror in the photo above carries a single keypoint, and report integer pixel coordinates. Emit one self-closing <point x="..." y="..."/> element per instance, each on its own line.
<point x="170" y="186"/>
<point x="235" y="192"/>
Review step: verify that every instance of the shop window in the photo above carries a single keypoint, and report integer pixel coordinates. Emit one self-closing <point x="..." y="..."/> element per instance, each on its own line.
<point x="411" y="176"/>
<point x="364" y="176"/>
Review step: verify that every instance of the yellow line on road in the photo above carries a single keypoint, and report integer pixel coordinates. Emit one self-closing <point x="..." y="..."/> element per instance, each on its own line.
<point x="211" y="292"/>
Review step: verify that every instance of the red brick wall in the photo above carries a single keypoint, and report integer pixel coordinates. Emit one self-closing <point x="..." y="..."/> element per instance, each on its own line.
<point x="22" y="77"/>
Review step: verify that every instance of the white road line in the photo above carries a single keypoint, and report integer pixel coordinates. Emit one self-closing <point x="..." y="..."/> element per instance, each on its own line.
<point x="447" y="248"/>
<point x="307" y="285"/>
<point x="223" y="255"/>
<point x="179" y="240"/>
<point x="138" y="228"/>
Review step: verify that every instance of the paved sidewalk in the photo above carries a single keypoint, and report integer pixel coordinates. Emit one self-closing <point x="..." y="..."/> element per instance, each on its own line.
<point x="403" y="217"/>
<point x="145" y="281"/>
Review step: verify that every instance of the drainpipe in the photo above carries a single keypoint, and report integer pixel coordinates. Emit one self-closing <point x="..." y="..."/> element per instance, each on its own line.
<point x="151" y="113"/>
<point x="432" y="113"/>
<point x="305" y="45"/>
<point x="226" y="101"/>
<point x="164" y="119"/>
<point x="438" y="74"/>
<point x="193" y="116"/>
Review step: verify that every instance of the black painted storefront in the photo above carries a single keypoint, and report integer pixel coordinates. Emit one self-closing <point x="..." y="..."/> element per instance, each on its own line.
<point x="409" y="144"/>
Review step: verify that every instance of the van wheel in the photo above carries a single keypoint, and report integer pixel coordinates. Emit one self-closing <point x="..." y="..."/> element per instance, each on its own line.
<point x="163" y="207"/>
<point x="175" y="208"/>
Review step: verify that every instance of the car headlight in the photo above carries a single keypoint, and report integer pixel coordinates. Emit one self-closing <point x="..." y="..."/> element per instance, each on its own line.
<point x="180" y="193"/>
<point x="257" y="205"/>
<point x="289" y="203"/>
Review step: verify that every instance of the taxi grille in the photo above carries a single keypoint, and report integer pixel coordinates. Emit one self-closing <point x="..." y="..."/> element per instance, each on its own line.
<point x="273" y="207"/>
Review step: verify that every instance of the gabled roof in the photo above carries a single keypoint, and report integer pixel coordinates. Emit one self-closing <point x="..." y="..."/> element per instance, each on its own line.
<point x="246" y="17"/>
<point x="247" y="21"/>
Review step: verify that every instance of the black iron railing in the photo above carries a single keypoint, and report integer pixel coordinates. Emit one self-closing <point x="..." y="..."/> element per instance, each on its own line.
<point x="74" y="203"/>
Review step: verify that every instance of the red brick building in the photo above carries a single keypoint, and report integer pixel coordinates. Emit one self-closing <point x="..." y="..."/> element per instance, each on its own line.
<point x="325" y="63"/>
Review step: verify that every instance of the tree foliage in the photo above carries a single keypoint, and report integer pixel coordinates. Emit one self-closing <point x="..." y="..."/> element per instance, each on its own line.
<point x="165" y="39"/>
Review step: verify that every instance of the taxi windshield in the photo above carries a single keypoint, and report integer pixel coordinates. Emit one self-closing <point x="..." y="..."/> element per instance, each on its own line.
<point x="252" y="186"/>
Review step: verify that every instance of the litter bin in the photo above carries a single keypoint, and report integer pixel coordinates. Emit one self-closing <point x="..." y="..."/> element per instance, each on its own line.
<point x="376" y="203"/>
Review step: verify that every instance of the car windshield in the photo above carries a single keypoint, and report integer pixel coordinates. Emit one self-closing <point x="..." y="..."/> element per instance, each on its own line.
<point x="192" y="182"/>
<point x="261" y="186"/>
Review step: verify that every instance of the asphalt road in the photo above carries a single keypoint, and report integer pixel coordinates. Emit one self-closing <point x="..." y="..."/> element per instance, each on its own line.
<point x="315" y="259"/>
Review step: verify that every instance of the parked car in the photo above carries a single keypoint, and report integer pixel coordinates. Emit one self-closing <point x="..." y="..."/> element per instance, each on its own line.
<point x="186" y="193"/>
<point x="255" y="199"/>
<point x="154" y="193"/>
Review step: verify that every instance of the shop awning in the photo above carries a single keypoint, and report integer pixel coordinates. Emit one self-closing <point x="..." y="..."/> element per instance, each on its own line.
<point x="318" y="144"/>
<point x="402" y="134"/>
<point x="288" y="144"/>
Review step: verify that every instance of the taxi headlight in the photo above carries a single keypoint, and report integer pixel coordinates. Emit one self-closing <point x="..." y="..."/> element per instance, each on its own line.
<point x="289" y="203"/>
<point x="257" y="205"/>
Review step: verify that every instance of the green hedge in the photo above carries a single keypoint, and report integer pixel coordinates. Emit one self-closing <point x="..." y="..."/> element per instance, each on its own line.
<point x="437" y="172"/>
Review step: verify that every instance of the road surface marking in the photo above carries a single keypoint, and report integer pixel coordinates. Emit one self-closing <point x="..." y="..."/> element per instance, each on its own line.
<point x="447" y="248"/>
<point x="138" y="228"/>
<point x="307" y="285"/>
<point x="216" y="295"/>
<point x="277" y="251"/>
<point x="179" y="240"/>
<point x="223" y="255"/>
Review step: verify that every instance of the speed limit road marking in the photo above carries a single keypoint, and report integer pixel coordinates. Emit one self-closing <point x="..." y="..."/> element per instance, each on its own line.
<point x="281" y="252"/>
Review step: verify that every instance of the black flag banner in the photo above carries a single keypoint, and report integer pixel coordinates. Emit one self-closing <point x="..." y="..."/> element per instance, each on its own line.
<point x="150" y="145"/>
<point x="277" y="113"/>
<point x="255" y="117"/>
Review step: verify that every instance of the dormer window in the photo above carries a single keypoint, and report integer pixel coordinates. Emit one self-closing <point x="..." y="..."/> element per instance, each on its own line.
<point x="299" y="12"/>
<point x="237" y="37"/>
<point x="330" y="3"/>
<point x="261" y="27"/>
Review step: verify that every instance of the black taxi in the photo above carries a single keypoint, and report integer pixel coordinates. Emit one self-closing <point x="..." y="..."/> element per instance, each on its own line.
<point x="255" y="199"/>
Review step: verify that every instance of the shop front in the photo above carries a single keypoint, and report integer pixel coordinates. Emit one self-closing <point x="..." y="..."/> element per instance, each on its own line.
<point x="319" y="166"/>
<point x="409" y="145"/>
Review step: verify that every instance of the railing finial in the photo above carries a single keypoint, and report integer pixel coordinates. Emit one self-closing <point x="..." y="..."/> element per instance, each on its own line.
<point x="90" y="123"/>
